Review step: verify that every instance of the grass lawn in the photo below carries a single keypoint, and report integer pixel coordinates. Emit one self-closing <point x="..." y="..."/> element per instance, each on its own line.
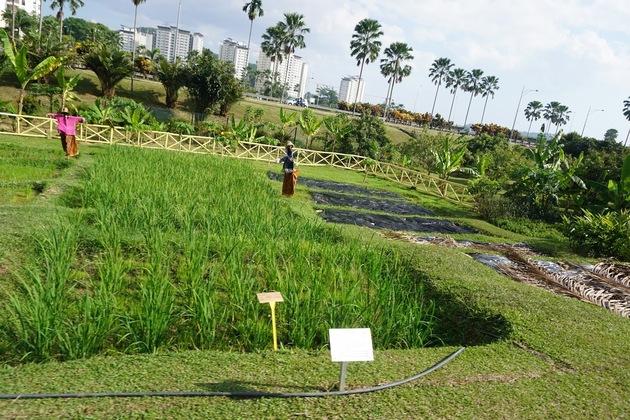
<point x="530" y="353"/>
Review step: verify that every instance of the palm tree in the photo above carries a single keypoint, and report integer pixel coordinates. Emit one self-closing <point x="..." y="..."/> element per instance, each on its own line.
<point x="438" y="72"/>
<point x="394" y="68"/>
<point x="272" y="46"/>
<point x="293" y="37"/>
<point x="626" y="113"/>
<point x="561" y="117"/>
<point x="472" y="84"/>
<point x="454" y="80"/>
<point x="60" y="4"/>
<point x="549" y="113"/>
<point x="110" y="66"/>
<point x="533" y="112"/>
<point x="136" y="3"/>
<point x="365" y="46"/>
<point x="171" y="75"/>
<point x="253" y="10"/>
<point x="489" y="85"/>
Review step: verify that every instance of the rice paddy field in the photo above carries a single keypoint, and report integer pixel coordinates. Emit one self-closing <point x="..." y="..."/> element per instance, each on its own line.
<point x="130" y="270"/>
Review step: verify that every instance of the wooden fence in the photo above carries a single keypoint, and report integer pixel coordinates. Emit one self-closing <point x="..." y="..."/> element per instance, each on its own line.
<point x="26" y="125"/>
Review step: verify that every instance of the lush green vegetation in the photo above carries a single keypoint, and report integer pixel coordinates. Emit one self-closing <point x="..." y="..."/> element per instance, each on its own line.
<point x="172" y="258"/>
<point x="530" y="353"/>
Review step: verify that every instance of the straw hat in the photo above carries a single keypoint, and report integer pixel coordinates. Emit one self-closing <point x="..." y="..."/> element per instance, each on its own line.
<point x="289" y="144"/>
<point x="65" y="110"/>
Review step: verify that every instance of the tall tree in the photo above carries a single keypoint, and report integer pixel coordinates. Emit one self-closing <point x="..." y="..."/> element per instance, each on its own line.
<point x="171" y="75"/>
<point x="557" y="114"/>
<point x="136" y="3"/>
<point x="472" y="84"/>
<point x="562" y="116"/>
<point x="273" y="47"/>
<point x="626" y="113"/>
<point x="60" y="4"/>
<point x="438" y="73"/>
<point x="533" y="112"/>
<point x="110" y="66"/>
<point x="454" y="80"/>
<point x="365" y="46"/>
<point x="549" y="113"/>
<point x="393" y="67"/>
<point x="489" y="85"/>
<point x="294" y="30"/>
<point x="253" y="10"/>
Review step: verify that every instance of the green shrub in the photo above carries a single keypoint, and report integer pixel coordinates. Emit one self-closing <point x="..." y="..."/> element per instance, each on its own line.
<point x="605" y="234"/>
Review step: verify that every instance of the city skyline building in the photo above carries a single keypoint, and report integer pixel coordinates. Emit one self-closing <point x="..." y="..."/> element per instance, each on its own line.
<point x="296" y="76"/>
<point x="143" y="39"/>
<point x="236" y="53"/>
<point x="349" y="87"/>
<point x="186" y="41"/>
<point x="31" y="7"/>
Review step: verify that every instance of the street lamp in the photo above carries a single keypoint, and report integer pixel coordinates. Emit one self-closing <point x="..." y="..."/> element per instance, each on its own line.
<point x="590" y="111"/>
<point x="523" y="93"/>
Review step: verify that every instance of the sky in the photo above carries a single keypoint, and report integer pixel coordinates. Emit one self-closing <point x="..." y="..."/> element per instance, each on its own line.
<point x="576" y="52"/>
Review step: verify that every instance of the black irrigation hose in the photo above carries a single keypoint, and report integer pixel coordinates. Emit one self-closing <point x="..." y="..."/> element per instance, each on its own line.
<point x="252" y="394"/>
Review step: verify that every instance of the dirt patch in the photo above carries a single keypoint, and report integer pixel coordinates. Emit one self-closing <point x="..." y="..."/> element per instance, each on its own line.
<point x="367" y="203"/>
<point x="381" y="221"/>
<point x="338" y="187"/>
<point x="520" y="247"/>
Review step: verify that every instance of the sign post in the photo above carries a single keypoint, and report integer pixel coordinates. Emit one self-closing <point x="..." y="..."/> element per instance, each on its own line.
<point x="271" y="298"/>
<point x="350" y="345"/>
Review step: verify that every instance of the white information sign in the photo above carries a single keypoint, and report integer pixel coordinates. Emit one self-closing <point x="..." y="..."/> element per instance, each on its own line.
<point x="351" y="345"/>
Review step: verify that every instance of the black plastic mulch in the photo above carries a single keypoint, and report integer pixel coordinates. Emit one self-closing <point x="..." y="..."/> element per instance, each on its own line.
<point x="367" y="203"/>
<point x="337" y="186"/>
<point x="380" y="221"/>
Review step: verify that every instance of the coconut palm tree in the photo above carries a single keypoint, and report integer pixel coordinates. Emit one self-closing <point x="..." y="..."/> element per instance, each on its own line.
<point x="489" y="85"/>
<point x="626" y="113"/>
<point x="394" y="68"/>
<point x="136" y="3"/>
<point x="438" y="73"/>
<point x="454" y="80"/>
<point x="533" y="112"/>
<point x="549" y="113"/>
<point x="562" y="116"/>
<point x="472" y="84"/>
<point x="60" y="4"/>
<point x="365" y="46"/>
<point x="272" y="46"/>
<point x="253" y="10"/>
<point x="293" y="37"/>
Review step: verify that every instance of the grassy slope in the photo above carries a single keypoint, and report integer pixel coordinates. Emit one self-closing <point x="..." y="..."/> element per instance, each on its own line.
<point x="563" y="358"/>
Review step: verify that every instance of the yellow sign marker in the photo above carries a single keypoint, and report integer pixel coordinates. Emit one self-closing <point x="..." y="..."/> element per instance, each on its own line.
<point x="271" y="298"/>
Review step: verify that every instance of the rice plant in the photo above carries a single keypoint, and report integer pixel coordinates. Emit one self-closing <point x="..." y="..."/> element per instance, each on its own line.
<point x="86" y="334"/>
<point x="202" y="235"/>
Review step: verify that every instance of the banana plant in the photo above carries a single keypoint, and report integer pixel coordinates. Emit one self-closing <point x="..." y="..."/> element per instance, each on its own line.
<point x="19" y="63"/>
<point x="619" y="192"/>
<point x="448" y="160"/>
<point x="66" y="86"/>
<point x="287" y="120"/>
<point x="309" y="124"/>
<point x="339" y="128"/>
<point x="136" y="120"/>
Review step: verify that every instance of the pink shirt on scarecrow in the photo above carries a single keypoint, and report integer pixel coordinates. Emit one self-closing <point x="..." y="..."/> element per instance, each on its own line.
<point x="67" y="124"/>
